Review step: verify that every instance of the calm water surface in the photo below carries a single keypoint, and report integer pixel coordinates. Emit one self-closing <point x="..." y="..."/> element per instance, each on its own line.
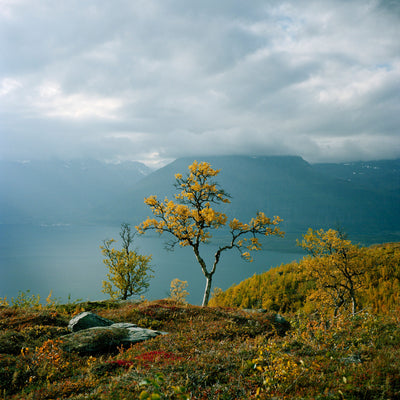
<point x="68" y="261"/>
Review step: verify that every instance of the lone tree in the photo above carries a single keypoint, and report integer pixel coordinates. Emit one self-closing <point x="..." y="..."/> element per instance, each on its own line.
<point x="191" y="218"/>
<point x="128" y="270"/>
<point x="337" y="267"/>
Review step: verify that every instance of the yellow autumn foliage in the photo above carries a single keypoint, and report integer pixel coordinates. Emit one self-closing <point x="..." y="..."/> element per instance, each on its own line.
<point x="191" y="218"/>
<point x="129" y="271"/>
<point x="291" y="287"/>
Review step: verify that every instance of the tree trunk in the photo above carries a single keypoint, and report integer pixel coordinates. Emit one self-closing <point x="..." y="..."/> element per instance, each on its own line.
<point x="207" y="274"/>
<point x="353" y="305"/>
<point x="207" y="290"/>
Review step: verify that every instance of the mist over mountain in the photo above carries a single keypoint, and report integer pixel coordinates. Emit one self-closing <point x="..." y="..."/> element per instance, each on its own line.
<point x="361" y="197"/>
<point x="62" y="192"/>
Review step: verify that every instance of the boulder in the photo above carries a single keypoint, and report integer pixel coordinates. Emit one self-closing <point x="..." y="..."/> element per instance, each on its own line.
<point x="88" y="338"/>
<point x="281" y="324"/>
<point x="352" y="359"/>
<point x="96" y="340"/>
<point x="280" y="319"/>
<point x="136" y="334"/>
<point x="86" y="320"/>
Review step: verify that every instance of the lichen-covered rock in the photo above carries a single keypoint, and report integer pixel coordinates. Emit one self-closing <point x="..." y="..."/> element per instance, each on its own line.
<point x="93" y="334"/>
<point x="280" y="323"/>
<point x="123" y="325"/>
<point x="86" y="320"/>
<point x="136" y="334"/>
<point x="102" y="339"/>
<point x="105" y="339"/>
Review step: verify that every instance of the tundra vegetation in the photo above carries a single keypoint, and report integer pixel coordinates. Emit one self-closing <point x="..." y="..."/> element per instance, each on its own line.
<point x="190" y="219"/>
<point x="209" y="352"/>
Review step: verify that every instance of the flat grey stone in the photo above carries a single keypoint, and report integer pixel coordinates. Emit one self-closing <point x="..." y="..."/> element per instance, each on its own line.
<point x="105" y="339"/>
<point x="86" y="320"/>
<point x="123" y="325"/>
<point x="140" y="334"/>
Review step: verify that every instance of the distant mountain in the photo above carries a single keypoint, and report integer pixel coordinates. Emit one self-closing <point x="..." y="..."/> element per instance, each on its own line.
<point x="362" y="198"/>
<point x="62" y="191"/>
<point x="375" y="175"/>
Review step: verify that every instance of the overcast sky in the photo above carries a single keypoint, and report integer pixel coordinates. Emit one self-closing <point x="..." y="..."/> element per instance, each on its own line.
<point x="153" y="80"/>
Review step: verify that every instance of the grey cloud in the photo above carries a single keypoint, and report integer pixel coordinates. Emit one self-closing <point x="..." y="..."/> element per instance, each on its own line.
<point x="148" y="79"/>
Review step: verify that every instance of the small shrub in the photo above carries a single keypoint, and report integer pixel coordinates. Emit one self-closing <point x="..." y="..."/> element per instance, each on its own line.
<point x="277" y="366"/>
<point x="4" y="302"/>
<point x="48" y="360"/>
<point x="129" y="271"/>
<point x="26" y="300"/>
<point x="177" y="291"/>
<point x="157" y="388"/>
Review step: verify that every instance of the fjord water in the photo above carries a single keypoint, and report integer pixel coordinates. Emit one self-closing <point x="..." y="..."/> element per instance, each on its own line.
<point x="67" y="260"/>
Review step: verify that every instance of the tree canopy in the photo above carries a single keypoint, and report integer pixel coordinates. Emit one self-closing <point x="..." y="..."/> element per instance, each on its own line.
<point x="336" y="267"/>
<point x="192" y="217"/>
<point x="129" y="271"/>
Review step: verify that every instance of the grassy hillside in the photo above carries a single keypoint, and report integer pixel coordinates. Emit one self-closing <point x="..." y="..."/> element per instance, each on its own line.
<point x="209" y="353"/>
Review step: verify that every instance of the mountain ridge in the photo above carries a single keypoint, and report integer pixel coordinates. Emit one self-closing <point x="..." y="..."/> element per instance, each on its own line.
<point x="362" y="197"/>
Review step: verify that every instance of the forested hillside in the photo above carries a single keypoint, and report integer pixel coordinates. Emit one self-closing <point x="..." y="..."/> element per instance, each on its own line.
<point x="290" y="288"/>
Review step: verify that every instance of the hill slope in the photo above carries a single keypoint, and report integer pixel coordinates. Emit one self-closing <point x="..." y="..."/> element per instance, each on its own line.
<point x="287" y="288"/>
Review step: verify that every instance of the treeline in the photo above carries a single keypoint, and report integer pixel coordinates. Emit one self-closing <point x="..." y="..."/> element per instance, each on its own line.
<point x="324" y="279"/>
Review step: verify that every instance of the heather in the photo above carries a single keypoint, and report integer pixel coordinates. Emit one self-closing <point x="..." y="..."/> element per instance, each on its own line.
<point x="209" y="353"/>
